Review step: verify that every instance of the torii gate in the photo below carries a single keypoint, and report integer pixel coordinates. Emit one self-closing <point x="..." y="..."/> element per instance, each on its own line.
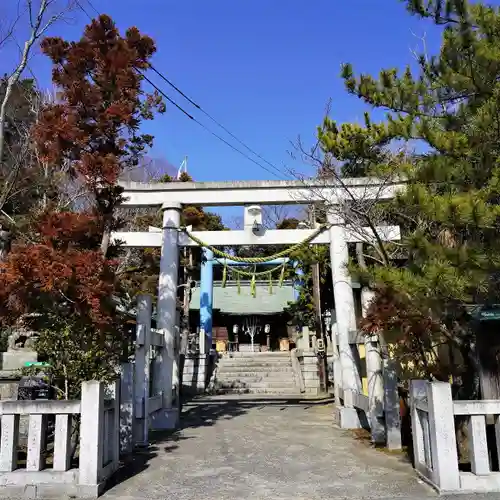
<point x="171" y="197"/>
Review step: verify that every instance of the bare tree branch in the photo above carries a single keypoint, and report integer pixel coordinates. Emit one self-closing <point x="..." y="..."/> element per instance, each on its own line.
<point x="9" y="31"/>
<point x="364" y="213"/>
<point x="39" y="24"/>
<point x="272" y="215"/>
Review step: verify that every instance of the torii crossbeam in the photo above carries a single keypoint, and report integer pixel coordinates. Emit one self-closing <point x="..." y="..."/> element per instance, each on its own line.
<point x="172" y="196"/>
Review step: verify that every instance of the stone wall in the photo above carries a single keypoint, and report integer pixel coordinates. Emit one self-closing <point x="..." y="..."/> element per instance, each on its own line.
<point x="310" y="372"/>
<point x="195" y="369"/>
<point x="9" y="385"/>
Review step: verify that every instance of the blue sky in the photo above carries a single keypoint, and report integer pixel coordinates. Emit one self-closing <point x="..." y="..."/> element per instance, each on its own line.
<point x="264" y="68"/>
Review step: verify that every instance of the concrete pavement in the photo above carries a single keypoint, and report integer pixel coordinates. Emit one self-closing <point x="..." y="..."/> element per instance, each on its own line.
<point x="236" y="449"/>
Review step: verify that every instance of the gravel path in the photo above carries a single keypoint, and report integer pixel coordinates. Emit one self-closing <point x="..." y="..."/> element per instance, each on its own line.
<point x="237" y="449"/>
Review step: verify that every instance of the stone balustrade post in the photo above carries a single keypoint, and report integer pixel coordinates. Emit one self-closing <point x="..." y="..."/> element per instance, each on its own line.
<point x="142" y="370"/>
<point x="91" y="432"/>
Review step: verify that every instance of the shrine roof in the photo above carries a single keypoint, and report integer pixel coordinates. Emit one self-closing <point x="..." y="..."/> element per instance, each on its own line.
<point x="228" y="301"/>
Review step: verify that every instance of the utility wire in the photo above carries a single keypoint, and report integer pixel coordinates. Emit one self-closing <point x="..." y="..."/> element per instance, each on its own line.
<point x="211" y="132"/>
<point x="276" y="171"/>
<point x="91" y="6"/>
<point x="82" y="8"/>
<point x="208" y="115"/>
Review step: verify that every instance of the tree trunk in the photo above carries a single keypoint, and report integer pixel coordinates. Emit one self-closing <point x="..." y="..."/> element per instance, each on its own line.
<point x="106" y="235"/>
<point x="5" y="242"/>
<point x="106" y="238"/>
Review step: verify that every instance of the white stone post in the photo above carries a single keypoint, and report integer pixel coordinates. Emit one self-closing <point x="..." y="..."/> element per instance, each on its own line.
<point x="62" y="443"/>
<point x="374" y="376"/>
<point x="8" y="447"/>
<point x="35" y="459"/>
<point x="200" y="361"/>
<point x="202" y="342"/>
<point x="167" y="417"/>
<point x="346" y="319"/>
<point x="127" y="413"/>
<point x="418" y="392"/>
<point x="114" y="435"/>
<point x="337" y="368"/>
<point x="310" y="372"/>
<point x="392" y="411"/>
<point x="443" y="439"/>
<point x="91" y="432"/>
<point x="375" y="389"/>
<point x="304" y="342"/>
<point x="142" y="347"/>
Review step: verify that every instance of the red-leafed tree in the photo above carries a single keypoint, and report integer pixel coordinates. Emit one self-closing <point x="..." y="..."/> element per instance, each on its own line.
<point x="415" y="336"/>
<point x="96" y="128"/>
<point x="64" y="280"/>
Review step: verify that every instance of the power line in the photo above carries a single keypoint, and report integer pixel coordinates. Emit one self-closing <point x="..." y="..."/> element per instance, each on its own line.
<point x="277" y="172"/>
<point x="91" y="6"/>
<point x="81" y="7"/>
<point x="211" y="132"/>
<point x="208" y="115"/>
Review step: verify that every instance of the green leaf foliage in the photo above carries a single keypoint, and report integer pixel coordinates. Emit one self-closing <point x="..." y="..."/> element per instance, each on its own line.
<point x="449" y="211"/>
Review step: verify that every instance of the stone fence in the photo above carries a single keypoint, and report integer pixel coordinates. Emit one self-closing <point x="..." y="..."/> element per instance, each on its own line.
<point x="306" y="372"/>
<point x="374" y="404"/>
<point x="433" y="414"/>
<point x="98" y="446"/>
<point x="196" y="367"/>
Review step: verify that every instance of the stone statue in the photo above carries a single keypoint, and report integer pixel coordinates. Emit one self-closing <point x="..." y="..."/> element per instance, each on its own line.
<point x="22" y="339"/>
<point x="20" y="349"/>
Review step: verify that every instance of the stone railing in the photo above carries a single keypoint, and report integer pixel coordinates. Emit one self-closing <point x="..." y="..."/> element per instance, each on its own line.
<point x="433" y="415"/>
<point x="377" y="405"/>
<point x="98" y="450"/>
<point x="146" y="401"/>
<point x="196" y="368"/>
<point x="297" y="367"/>
<point x="306" y="371"/>
<point x="142" y="395"/>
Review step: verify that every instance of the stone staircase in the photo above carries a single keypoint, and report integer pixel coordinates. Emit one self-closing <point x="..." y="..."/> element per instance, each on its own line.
<point x="254" y="373"/>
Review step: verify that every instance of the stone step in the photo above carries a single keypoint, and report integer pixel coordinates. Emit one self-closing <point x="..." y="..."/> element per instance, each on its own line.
<point x="255" y="364"/>
<point x="243" y="373"/>
<point x="255" y="373"/>
<point x="253" y="380"/>
<point x="255" y="385"/>
<point x="262" y="371"/>
<point x="253" y="369"/>
<point x="260" y="361"/>
<point x="280" y="392"/>
<point x="244" y="355"/>
<point x="249" y="372"/>
<point x="254" y="355"/>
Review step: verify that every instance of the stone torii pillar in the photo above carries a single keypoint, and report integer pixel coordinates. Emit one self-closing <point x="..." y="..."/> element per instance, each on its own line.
<point x="206" y="298"/>
<point x="141" y="378"/>
<point x="346" y="319"/>
<point x="166" y="312"/>
<point x="206" y="286"/>
<point x="246" y="193"/>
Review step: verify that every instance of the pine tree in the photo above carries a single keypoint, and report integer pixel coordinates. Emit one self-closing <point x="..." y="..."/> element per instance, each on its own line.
<point x="450" y="209"/>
